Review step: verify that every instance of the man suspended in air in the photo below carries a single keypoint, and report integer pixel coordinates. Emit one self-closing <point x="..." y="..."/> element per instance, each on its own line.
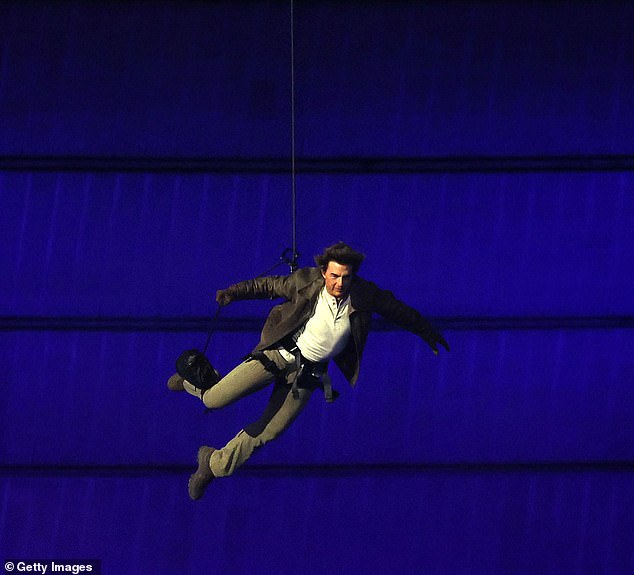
<point x="325" y="316"/>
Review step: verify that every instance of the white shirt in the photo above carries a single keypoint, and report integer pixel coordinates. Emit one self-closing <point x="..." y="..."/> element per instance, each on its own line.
<point x="326" y="332"/>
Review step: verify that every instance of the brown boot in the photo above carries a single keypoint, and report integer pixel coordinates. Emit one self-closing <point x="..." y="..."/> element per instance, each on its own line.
<point x="199" y="481"/>
<point x="175" y="383"/>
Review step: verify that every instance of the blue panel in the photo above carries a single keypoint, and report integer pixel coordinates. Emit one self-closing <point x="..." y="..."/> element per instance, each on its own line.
<point x="136" y="244"/>
<point x="517" y="397"/>
<point x="154" y="78"/>
<point x="160" y="245"/>
<point x="204" y="79"/>
<point x="402" y="523"/>
<point x="465" y="78"/>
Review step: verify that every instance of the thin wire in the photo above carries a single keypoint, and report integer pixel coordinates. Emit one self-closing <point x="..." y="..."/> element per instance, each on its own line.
<point x="293" y="186"/>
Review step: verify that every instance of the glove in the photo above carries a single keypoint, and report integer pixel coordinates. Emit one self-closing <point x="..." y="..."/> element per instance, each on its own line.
<point x="224" y="297"/>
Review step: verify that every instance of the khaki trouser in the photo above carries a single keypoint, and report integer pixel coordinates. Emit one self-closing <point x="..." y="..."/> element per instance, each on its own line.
<point x="281" y="411"/>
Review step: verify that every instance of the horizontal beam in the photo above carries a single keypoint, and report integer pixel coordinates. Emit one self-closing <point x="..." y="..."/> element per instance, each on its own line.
<point x="313" y="165"/>
<point x="350" y="469"/>
<point x="254" y="324"/>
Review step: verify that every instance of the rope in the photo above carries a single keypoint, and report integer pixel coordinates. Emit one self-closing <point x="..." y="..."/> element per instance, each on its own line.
<point x="212" y="328"/>
<point x="293" y="262"/>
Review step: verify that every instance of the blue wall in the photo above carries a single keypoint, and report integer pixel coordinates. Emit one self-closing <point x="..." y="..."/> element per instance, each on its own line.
<point x="140" y="150"/>
<point x="199" y="79"/>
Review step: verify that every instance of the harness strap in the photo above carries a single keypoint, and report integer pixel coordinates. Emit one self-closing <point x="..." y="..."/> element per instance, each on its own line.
<point x="299" y="369"/>
<point x="329" y="394"/>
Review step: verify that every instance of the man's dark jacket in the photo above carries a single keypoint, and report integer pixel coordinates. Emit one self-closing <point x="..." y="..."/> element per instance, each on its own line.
<point x="301" y="289"/>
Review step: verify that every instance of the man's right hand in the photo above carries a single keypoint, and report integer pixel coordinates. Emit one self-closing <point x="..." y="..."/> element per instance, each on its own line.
<point x="223" y="297"/>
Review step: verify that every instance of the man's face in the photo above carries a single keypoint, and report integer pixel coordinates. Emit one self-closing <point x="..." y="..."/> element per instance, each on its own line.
<point x="338" y="279"/>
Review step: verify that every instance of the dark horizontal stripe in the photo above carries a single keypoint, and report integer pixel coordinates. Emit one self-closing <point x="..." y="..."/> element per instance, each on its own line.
<point x="335" y="165"/>
<point x="254" y="324"/>
<point x="349" y="469"/>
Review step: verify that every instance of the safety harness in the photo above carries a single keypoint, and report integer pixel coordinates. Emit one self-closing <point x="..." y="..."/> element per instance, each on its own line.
<point x="304" y="371"/>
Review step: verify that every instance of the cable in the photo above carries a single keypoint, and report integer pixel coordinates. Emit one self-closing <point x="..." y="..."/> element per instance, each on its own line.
<point x="293" y="261"/>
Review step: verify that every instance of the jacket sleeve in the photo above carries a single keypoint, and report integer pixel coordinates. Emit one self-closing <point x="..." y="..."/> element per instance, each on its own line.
<point x="394" y="310"/>
<point x="387" y="305"/>
<point x="269" y="287"/>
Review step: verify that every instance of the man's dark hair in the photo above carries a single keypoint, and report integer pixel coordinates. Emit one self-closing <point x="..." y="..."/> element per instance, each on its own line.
<point x="342" y="254"/>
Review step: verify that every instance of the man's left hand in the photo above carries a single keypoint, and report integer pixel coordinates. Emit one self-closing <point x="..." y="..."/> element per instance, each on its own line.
<point x="433" y="339"/>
